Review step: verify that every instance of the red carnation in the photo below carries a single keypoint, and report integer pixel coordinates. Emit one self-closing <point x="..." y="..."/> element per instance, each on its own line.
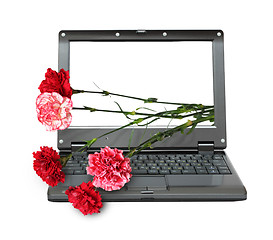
<point x="48" y="166"/>
<point x="111" y="170"/>
<point x="85" y="198"/>
<point x="56" y="82"/>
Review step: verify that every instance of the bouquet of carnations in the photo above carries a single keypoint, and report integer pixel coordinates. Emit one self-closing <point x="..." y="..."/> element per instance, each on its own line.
<point x="110" y="169"/>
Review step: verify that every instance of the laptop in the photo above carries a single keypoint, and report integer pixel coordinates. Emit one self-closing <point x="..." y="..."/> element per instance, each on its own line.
<point x="172" y="66"/>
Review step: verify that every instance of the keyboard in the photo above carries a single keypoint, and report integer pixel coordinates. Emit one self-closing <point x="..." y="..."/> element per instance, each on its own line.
<point x="160" y="164"/>
<point x="179" y="164"/>
<point x="77" y="164"/>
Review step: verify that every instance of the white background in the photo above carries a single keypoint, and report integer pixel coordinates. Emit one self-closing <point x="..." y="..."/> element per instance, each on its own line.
<point x="29" y="45"/>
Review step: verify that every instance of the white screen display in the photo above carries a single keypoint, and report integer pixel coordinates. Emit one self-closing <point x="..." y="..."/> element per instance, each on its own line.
<point x="179" y="71"/>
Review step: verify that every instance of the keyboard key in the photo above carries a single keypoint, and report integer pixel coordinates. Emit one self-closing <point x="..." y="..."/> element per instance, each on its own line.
<point x="192" y="161"/>
<point x="173" y="164"/>
<point x="68" y="172"/>
<point x="200" y="168"/>
<point x="139" y="172"/>
<point x="223" y="168"/>
<point x="175" y="171"/>
<point x="79" y="172"/>
<point x="211" y="168"/>
<point x="188" y="171"/>
<point x="189" y="168"/>
<point x="217" y="161"/>
<point x="177" y="167"/>
<point x="162" y="164"/>
<point x="224" y="171"/>
<point x="152" y="157"/>
<point x="181" y="161"/>
<point x="164" y="172"/>
<point x="196" y="164"/>
<point x="72" y="165"/>
<point x="72" y="168"/>
<point x="155" y="168"/>
<point x="196" y="157"/>
<point x="213" y="171"/>
<point x="166" y="168"/>
<point x="72" y="162"/>
<point x="152" y="171"/>
<point x="142" y="157"/>
<point x="203" y="161"/>
<point x="218" y="157"/>
<point x="222" y="164"/>
<point x="185" y="164"/>
<point x="143" y="168"/>
<point x="201" y="171"/>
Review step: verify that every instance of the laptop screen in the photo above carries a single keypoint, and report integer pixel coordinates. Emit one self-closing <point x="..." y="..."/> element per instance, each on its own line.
<point x="173" y="72"/>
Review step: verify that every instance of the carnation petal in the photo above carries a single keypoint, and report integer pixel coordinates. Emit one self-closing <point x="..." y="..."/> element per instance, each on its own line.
<point x="85" y="198"/>
<point x="109" y="168"/>
<point x="47" y="166"/>
<point x="53" y="111"/>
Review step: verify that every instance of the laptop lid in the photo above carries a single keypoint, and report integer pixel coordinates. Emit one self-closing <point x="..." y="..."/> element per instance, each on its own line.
<point x="171" y="65"/>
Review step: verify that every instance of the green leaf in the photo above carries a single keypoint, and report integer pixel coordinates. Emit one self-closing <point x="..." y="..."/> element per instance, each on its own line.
<point x="90" y="142"/>
<point x="126" y="115"/>
<point x="212" y="120"/>
<point x="137" y="121"/>
<point x="146" y="109"/>
<point x="146" y="124"/>
<point x="131" y="153"/>
<point x="150" y="100"/>
<point x="105" y="93"/>
<point x="197" y="115"/>
<point x="148" y="144"/>
<point x="185" y="125"/>
<point x="159" y="136"/>
<point x="97" y="86"/>
<point x="130" y="139"/>
<point x="192" y="128"/>
<point x="143" y="134"/>
<point x="90" y="109"/>
<point x="183" y="109"/>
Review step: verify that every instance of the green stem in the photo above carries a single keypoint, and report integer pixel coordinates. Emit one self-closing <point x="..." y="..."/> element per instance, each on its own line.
<point x="63" y="160"/>
<point x="148" y="100"/>
<point x="168" y="133"/>
<point x="173" y="113"/>
<point x="137" y="121"/>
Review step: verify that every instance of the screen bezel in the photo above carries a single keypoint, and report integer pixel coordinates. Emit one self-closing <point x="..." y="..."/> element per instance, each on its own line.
<point x="213" y="134"/>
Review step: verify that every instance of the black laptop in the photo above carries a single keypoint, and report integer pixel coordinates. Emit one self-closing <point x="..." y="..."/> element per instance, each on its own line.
<point x="172" y="66"/>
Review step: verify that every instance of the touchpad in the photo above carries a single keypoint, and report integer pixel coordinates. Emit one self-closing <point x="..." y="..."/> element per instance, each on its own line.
<point x="147" y="183"/>
<point x="194" y="180"/>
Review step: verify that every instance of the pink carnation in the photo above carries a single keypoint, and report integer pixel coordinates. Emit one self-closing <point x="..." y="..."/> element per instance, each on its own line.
<point x="109" y="168"/>
<point x="53" y="111"/>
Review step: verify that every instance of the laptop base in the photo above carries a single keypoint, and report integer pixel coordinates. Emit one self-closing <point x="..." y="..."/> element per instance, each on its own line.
<point x="164" y="188"/>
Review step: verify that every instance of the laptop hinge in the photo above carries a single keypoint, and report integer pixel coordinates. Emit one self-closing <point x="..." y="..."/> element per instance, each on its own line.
<point x="206" y="147"/>
<point x="77" y="146"/>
